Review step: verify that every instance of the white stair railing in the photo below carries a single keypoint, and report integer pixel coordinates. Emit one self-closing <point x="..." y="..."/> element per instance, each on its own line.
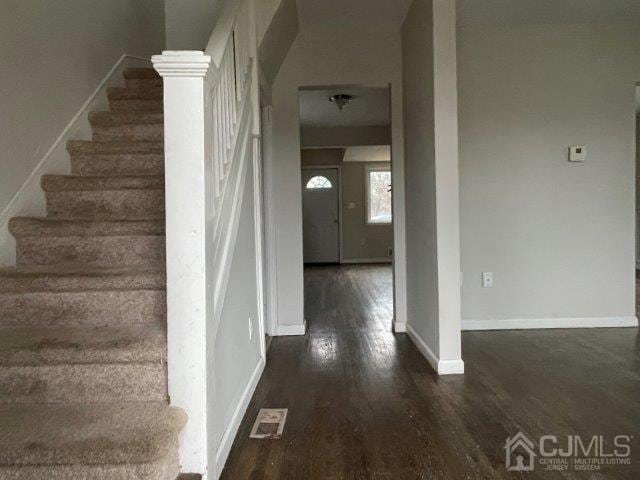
<point x="212" y="133"/>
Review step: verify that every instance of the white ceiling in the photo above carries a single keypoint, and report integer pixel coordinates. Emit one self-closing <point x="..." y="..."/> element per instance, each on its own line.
<point x="353" y="13"/>
<point x="370" y="107"/>
<point x="518" y="12"/>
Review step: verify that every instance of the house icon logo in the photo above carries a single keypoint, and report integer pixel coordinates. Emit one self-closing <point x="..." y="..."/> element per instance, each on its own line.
<point x="519" y="453"/>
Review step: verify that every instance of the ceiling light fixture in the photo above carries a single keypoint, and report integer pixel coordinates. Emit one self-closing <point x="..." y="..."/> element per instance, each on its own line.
<point x="340" y="100"/>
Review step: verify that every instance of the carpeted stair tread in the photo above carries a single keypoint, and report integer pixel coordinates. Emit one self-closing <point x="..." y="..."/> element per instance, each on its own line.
<point x="121" y="119"/>
<point x="83" y="357"/>
<point x="90" y="158"/>
<point x="87" y="147"/>
<point x="38" y="345"/>
<point x="152" y="82"/>
<point x="128" y="93"/>
<point x="71" y="183"/>
<point x="57" y="278"/>
<point x="136" y="99"/>
<point x="88" y="434"/>
<point x="21" y="227"/>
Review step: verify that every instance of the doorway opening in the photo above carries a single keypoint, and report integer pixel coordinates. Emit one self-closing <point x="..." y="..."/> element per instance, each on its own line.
<point x="347" y="190"/>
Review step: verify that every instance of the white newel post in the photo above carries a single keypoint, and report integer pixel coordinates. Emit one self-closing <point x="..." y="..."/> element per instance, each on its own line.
<point x="184" y="136"/>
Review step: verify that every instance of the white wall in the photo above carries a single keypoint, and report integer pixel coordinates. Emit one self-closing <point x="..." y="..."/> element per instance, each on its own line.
<point x="422" y="271"/>
<point x="322" y="56"/>
<point x="431" y="173"/>
<point x="52" y="59"/>
<point x="558" y="236"/>
<point x="189" y="23"/>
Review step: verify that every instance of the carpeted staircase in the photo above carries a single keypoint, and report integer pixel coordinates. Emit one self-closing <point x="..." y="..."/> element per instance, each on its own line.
<point x="83" y="378"/>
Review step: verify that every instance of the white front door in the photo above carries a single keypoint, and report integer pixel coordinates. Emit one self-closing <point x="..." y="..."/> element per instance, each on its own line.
<point x="320" y="227"/>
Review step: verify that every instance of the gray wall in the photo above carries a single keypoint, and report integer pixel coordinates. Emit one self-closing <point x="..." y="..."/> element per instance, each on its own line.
<point x="189" y="23"/>
<point x="637" y="185"/>
<point x="419" y="148"/>
<point x="431" y="177"/>
<point x="234" y="357"/>
<point x="558" y="236"/>
<point x="359" y="240"/>
<point x="277" y="27"/>
<point x="319" y="57"/>
<point x="52" y="58"/>
<point x="328" y="137"/>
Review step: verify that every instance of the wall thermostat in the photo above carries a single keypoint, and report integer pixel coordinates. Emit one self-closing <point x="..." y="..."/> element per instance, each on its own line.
<point x="577" y="153"/>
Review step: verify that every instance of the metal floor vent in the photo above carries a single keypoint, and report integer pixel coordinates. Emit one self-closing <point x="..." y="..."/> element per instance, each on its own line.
<point x="270" y="423"/>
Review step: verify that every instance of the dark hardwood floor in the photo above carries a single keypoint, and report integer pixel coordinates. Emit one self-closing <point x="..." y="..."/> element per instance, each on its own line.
<point x="364" y="404"/>
<point x="338" y="299"/>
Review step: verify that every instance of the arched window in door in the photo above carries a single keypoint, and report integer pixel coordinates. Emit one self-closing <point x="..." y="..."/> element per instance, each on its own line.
<point x="319" y="182"/>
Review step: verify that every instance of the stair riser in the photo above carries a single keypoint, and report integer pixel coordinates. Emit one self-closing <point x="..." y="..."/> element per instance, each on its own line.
<point x="129" y="133"/>
<point x="106" y="204"/>
<point x="167" y="468"/>
<point x="143" y="83"/>
<point x="122" y="164"/>
<point x="109" y="307"/>
<point x="97" y="251"/>
<point x="83" y="383"/>
<point x="136" y="105"/>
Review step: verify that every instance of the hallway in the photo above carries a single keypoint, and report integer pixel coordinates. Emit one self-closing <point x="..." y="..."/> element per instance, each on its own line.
<point x="364" y="404"/>
<point x="346" y="298"/>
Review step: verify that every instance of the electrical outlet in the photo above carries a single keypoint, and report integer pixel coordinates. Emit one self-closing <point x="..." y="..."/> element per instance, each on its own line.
<point x="250" y="328"/>
<point x="487" y="279"/>
<point x="577" y="153"/>
<point x="390" y="251"/>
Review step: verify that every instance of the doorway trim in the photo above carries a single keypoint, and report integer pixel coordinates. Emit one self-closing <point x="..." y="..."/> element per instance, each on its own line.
<point x="339" y="173"/>
<point x="272" y="135"/>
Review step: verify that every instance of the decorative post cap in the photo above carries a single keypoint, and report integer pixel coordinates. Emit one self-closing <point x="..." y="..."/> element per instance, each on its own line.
<point x="181" y="63"/>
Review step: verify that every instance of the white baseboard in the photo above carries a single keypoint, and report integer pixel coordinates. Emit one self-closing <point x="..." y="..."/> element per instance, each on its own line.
<point x="399" y="327"/>
<point x="544" y="323"/>
<point x="29" y="199"/>
<point x="367" y="260"/>
<point x="287" y="330"/>
<point x="442" y="367"/>
<point x="236" y="419"/>
<point x="450" y="367"/>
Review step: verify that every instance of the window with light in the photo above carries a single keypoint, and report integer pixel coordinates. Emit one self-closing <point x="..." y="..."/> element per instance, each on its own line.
<point x="378" y="191"/>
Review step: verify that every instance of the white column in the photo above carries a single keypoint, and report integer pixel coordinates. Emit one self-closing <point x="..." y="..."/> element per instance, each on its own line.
<point x="445" y="81"/>
<point x="183" y="73"/>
